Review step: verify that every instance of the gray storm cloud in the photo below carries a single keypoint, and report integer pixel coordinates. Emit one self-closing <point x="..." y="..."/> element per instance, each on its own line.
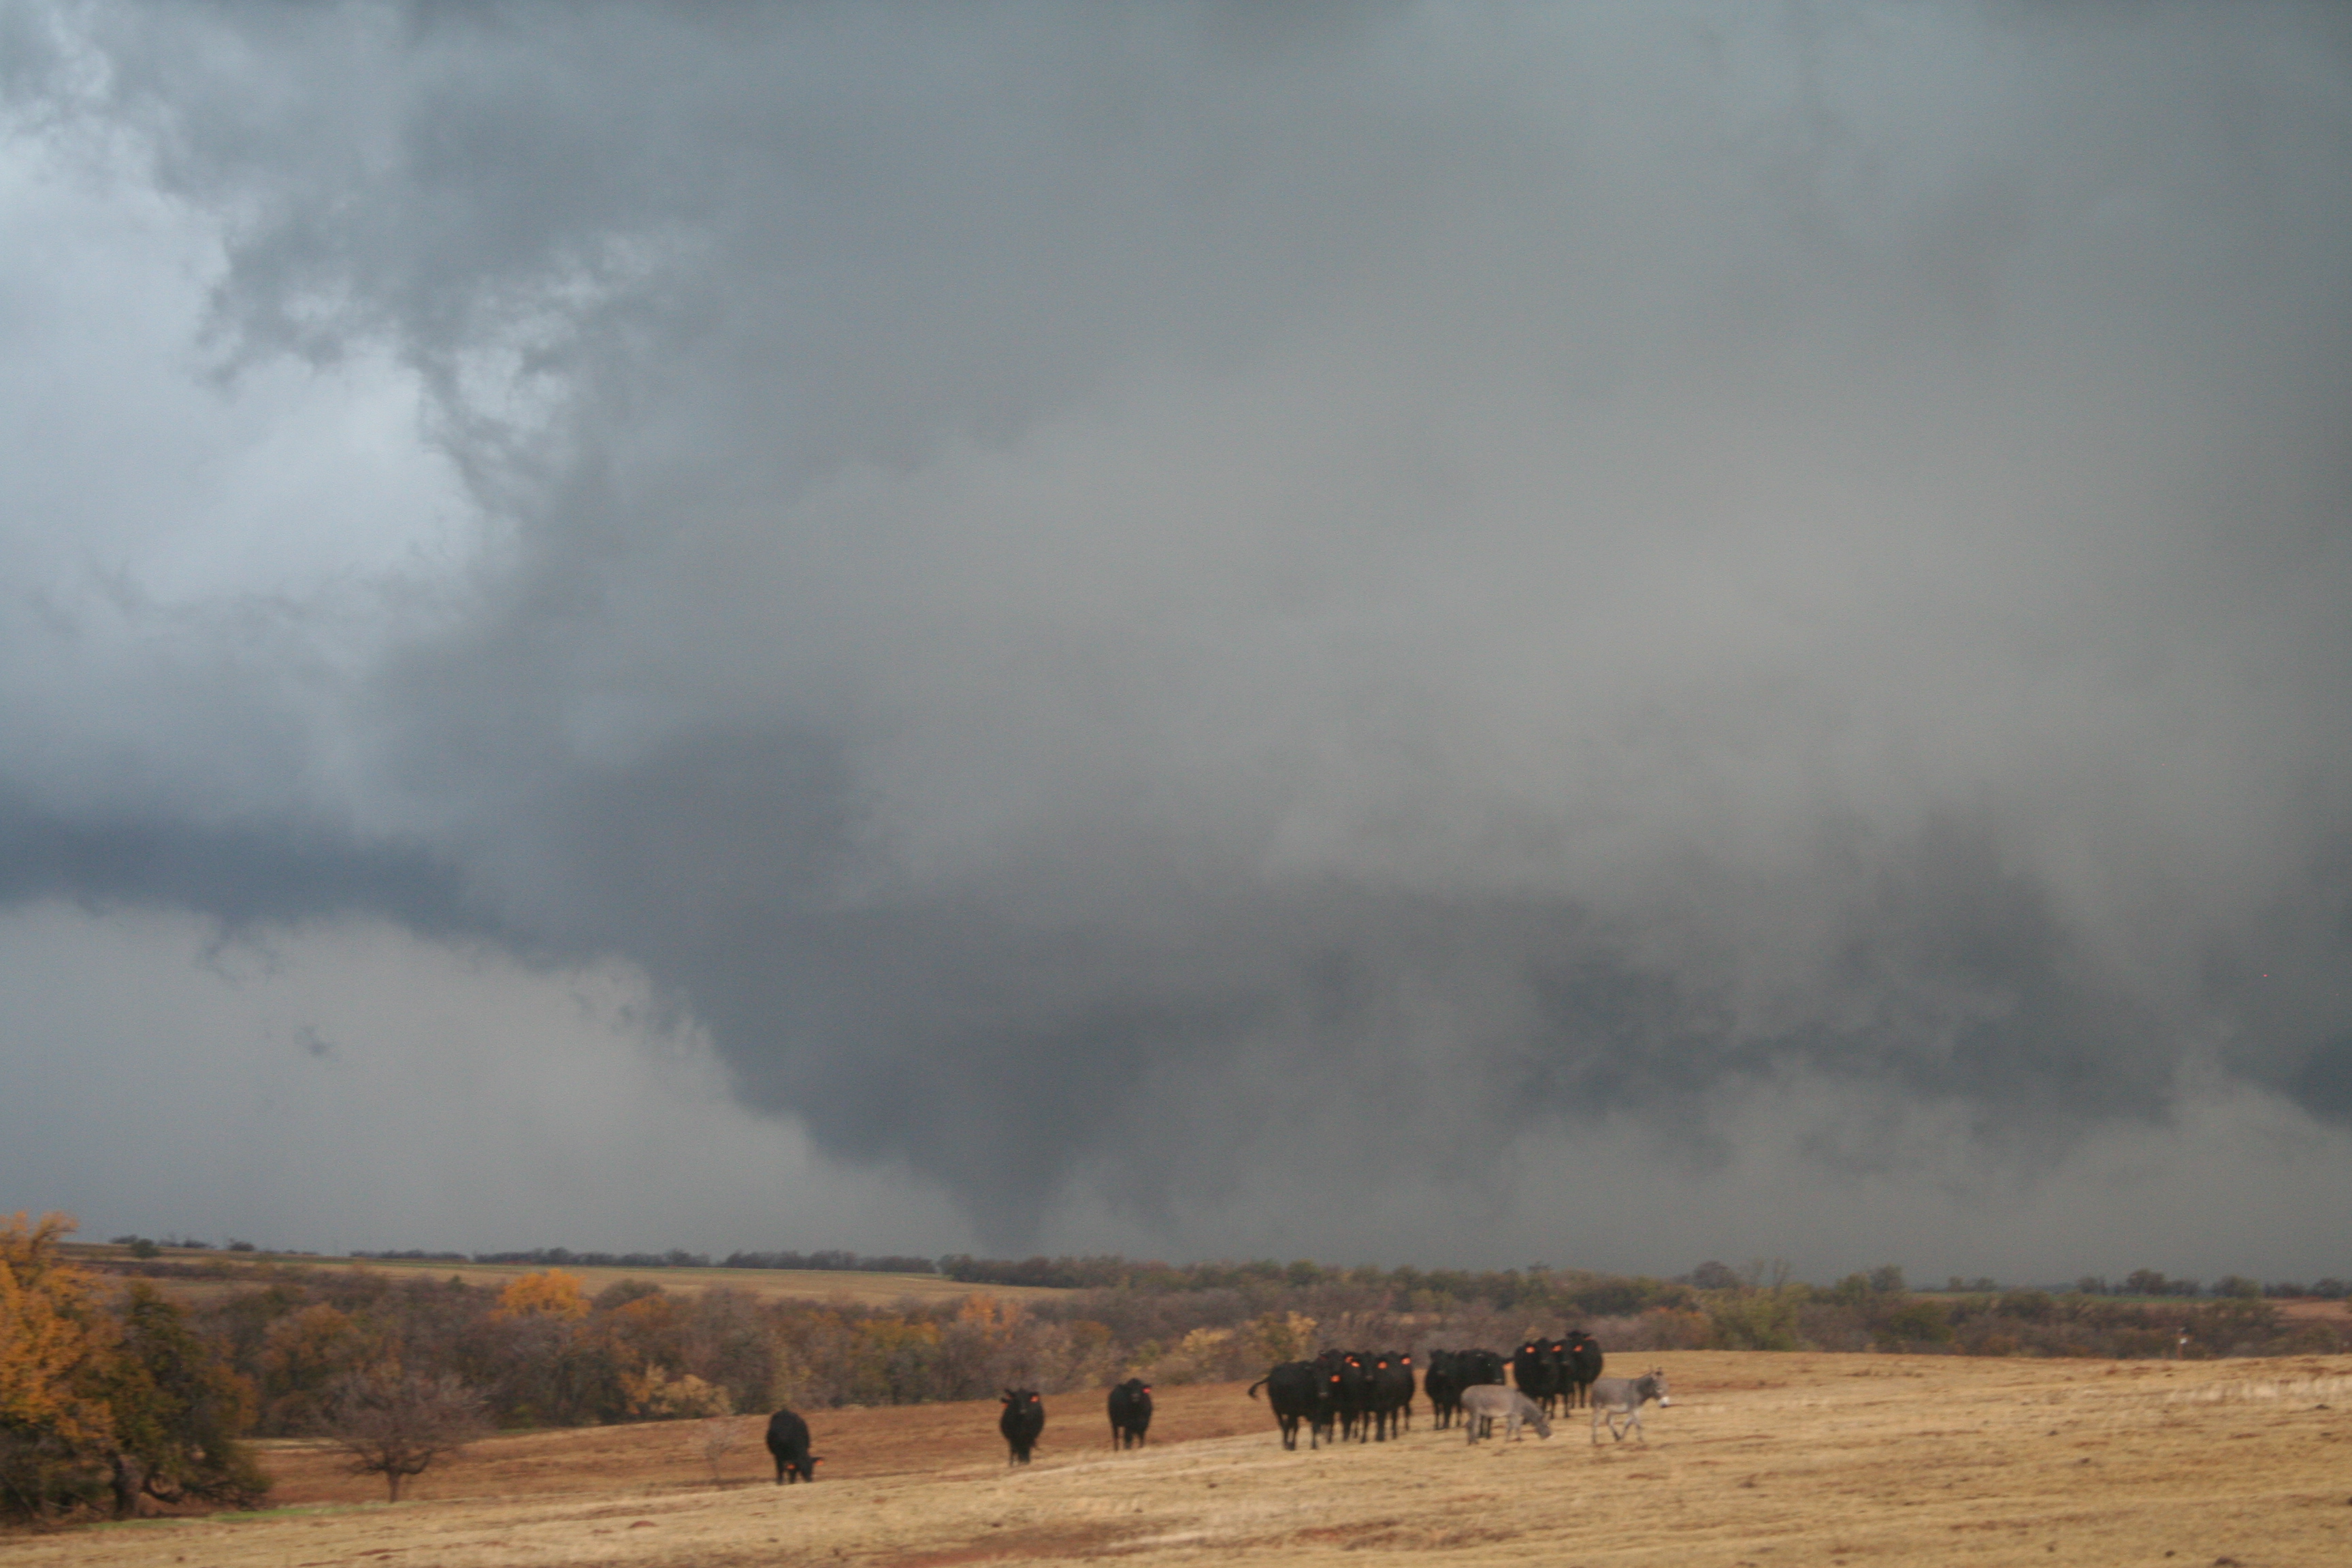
<point x="1314" y="576"/>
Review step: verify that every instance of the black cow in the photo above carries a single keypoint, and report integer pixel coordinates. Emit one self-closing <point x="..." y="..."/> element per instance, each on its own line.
<point x="1130" y="1412"/>
<point x="1581" y="1366"/>
<point x="1388" y="1392"/>
<point x="1295" y="1389"/>
<point x="1443" y="1386"/>
<point x="1531" y="1370"/>
<point x="1345" y="1393"/>
<point x="1556" y="1369"/>
<point x="1474" y="1368"/>
<point x="1023" y="1418"/>
<point x="788" y="1441"/>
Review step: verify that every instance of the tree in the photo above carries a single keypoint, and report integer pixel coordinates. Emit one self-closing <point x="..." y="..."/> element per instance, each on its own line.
<point x="178" y="1409"/>
<point x="550" y="1294"/>
<point x="55" y="1350"/>
<point x="394" y="1423"/>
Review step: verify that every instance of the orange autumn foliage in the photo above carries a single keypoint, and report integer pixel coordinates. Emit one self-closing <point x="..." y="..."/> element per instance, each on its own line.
<point x="55" y="1344"/>
<point x="549" y="1294"/>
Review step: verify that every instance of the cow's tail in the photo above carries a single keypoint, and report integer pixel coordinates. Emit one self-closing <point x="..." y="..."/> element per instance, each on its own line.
<point x="1255" y="1386"/>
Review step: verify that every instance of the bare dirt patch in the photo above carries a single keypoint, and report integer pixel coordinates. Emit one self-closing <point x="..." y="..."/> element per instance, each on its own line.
<point x="2315" y="1309"/>
<point x="1768" y="1461"/>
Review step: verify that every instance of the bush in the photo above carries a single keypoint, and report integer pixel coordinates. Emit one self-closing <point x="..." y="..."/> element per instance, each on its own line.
<point x="1754" y="1318"/>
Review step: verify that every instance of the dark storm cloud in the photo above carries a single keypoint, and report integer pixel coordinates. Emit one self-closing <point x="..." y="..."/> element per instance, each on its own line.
<point x="243" y="874"/>
<point x="1069" y="567"/>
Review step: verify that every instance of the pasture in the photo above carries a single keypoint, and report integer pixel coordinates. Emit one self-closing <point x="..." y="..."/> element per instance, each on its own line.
<point x="239" y="1271"/>
<point x="1764" y="1461"/>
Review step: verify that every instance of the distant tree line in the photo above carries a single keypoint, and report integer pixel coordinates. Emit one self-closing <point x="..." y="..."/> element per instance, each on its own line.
<point x="1876" y="1311"/>
<point x="1538" y="1287"/>
<point x="2152" y="1282"/>
<point x="836" y="1262"/>
<point x="564" y="1258"/>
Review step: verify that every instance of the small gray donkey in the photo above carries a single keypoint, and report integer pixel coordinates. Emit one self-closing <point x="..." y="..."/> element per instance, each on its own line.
<point x="1615" y="1396"/>
<point x="1484" y="1401"/>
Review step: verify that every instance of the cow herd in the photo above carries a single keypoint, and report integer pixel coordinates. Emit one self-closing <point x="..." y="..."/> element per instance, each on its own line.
<point x="1366" y="1395"/>
<point x="1349" y="1396"/>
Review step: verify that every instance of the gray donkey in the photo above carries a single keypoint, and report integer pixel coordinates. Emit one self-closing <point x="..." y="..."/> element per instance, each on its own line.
<point x="1615" y="1396"/>
<point x="1483" y="1402"/>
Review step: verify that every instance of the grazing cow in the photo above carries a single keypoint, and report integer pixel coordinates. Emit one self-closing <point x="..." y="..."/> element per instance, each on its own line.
<point x="1531" y="1370"/>
<point x="1295" y="1389"/>
<point x="1130" y="1412"/>
<point x="1615" y="1396"/>
<point x="1582" y="1365"/>
<point x="1388" y="1392"/>
<point x="1443" y="1386"/>
<point x="788" y="1441"/>
<point x="1486" y="1402"/>
<point x="1023" y="1419"/>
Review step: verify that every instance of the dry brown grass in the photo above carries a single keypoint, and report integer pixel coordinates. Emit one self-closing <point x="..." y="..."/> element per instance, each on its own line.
<point x="1764" y="1460"/>
<point x="241" y="1271"/>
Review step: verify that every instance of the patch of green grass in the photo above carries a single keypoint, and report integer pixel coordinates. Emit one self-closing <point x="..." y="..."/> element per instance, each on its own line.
<point x="295" y="1510"/>
<point x="239" y="1516"/>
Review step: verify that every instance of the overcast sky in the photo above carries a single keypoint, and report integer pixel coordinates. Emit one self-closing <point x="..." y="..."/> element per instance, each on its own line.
<point x="1426" y="634"/>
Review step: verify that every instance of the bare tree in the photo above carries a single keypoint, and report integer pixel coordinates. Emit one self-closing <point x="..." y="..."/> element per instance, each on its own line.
<point x="720" y="1435"/>
<point x="394" y="1423"/>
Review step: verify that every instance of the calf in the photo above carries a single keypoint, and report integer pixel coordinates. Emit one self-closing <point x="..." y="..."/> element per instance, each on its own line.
<point x="1023" y="1419"/>
<point x="788" y="1441"/>
<point x="1130" y="1412"/>
<point x="1488" y="1401"/>
<point x="1615" y="1396"/>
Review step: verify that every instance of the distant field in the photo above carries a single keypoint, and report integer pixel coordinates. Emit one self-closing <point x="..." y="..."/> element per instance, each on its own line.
<point x="1764" y="1461"/>
<point x="786" y="1284"/>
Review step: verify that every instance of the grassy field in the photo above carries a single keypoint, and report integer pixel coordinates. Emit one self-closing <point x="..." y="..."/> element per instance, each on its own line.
<point x="1764" y="1461"/>
<point x="242" y="1269"/>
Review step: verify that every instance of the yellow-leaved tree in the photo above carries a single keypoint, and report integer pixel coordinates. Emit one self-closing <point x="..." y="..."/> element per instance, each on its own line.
<point x="55" y="1352"/>
<point x="90" y="1403"/>
<point x="551" y="1293"/>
